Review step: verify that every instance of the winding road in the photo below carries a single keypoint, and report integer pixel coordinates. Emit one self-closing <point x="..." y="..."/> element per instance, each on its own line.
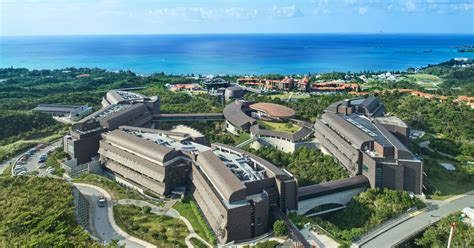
<point x="103" y="224"/>
<point x="414" y="225"/>
<point x="102" y="219"/>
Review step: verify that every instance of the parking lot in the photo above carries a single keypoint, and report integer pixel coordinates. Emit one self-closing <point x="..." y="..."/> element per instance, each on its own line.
<point x="31" y="164"/>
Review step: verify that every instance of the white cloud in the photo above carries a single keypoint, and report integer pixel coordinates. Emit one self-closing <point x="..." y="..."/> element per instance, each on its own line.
<point x="322" y="7"/>
<point x="410" y="6"/>
<point x="286" y="12"/>
<point x="201" y="14"/>
<point x="363" y="10"/>
<point x="241" y="13"/>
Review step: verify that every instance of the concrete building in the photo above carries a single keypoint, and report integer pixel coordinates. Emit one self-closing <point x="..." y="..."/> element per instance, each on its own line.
<point x="366" y="142"/>
<point x="242" y="116"/>
<point x="235" y="92"/>
<point x="73" y="112"/>
<point x="127" y="108"/>
<point x="303" y="84"/>
<point x="235" y="190"/>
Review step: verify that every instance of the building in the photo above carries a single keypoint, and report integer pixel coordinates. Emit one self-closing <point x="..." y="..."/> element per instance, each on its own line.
<point x="334" y="87"/>
<point x="235" y="92"/>
<point x="303" y="84"/>
<point x="366" y="142"/>
<point x="73" y="112"/>
<point x="268" y="84"/>
<point x="241" y="116"/>
<point x="234" y="190"/>
<point x="271" y="111"/>
<point x="120" y="108"/>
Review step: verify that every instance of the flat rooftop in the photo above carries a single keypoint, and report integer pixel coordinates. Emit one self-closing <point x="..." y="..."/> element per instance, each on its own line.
<point x="56" y="108"/>
<point x="126" y="95"/>
<point x="109" y="110"/>
<point x="365" y="125"/>
<point x="241" y="166"/>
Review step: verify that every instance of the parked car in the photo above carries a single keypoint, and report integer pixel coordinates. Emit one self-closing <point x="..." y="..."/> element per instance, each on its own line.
<point x="42" y="158"/>
<point x="101" y="202"/>
<point x="21" y="173"/>
<point x="50" y="170"/>
<point x="41" y="165"/>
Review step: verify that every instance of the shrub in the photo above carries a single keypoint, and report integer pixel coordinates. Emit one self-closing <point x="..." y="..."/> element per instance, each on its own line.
<point x="280" y="228"/>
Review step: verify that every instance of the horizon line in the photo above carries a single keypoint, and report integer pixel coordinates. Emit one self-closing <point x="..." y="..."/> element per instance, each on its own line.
<point x="250" y="33"/>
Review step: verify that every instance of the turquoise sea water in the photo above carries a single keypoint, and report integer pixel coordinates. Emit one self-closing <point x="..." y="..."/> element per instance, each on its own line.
<point x="233" y="54"/>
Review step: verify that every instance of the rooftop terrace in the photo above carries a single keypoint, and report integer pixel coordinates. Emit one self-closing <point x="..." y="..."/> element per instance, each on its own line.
<point x="240" y="165"/>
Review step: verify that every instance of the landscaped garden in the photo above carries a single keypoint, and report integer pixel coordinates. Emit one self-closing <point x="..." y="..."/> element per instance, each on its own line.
<point x="159" y="230"/>
<point x="189" y="210"/>
<point x="279" y="126"/>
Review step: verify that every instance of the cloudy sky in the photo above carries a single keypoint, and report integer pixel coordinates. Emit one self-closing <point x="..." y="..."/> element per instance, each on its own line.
<point x="56" y="17"/>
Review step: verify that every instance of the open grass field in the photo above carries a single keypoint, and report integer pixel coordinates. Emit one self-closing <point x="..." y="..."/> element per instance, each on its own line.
<point x="160" y="230"/>
<point x="279" y="126"/>
<point x="447" y="183"/>
<point x="425" y="80"/>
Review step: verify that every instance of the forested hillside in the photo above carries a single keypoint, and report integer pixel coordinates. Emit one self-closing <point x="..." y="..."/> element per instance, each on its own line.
<point x="38" y="212"/>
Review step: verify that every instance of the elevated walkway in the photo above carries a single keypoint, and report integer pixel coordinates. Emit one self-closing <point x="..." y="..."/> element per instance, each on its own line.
<point x="331" y="196"/>
<point x="247" y="142"/>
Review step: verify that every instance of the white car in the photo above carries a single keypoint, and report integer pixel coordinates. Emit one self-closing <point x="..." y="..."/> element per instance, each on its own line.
<point x="41" y="165"/>
<point x="50" y="170"/>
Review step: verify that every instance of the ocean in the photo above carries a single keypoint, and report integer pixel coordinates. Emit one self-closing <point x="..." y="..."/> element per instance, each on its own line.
<point x="242" y="54"/>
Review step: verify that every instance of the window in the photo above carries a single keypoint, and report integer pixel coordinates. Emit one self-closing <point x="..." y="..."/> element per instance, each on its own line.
<point x="259" y="221"/>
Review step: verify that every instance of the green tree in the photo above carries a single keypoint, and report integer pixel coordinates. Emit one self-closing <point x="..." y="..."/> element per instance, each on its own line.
<point x="280" y="228"/>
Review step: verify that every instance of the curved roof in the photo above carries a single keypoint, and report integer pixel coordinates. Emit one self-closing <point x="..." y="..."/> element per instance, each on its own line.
<point x="234" y="114"/>
<point x="273" y="109"/>
<point x="140" y="146"/>
<point x="228" y="185"/>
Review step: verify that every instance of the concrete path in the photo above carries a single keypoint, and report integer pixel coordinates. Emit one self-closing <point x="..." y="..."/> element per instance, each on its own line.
<point x="415" y="224"/>
<point x="318" y="240"/>
<point x="102" y="218"/>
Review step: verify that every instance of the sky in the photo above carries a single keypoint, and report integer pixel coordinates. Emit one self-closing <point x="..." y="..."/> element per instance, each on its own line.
<point x="72" y="17"/>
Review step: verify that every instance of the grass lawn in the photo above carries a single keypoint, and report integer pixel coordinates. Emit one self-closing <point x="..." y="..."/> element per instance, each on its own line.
<point x="241" y="138"/>
<point x="444" y="183"/>
<point x="425" y="80"/>
<point x="198" y="243"/>
<point x="279" y="126"/>
<point x="424" y="77"/>
<point x="449" y="186"/>
<point x="7" y="171"/>
<point x="185" y="209"/>
<point x="160" y="230"/>
<point x="114" y="189"/>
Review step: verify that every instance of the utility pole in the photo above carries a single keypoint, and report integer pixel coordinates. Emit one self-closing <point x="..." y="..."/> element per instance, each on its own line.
<point x="451" y="234"/>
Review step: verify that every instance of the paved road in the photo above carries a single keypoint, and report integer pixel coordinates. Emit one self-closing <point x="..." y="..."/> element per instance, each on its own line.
<point x="101" y="222"/>
<point x="420" y="222"/>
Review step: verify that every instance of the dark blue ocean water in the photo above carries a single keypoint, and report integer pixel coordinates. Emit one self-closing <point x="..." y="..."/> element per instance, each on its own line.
<point x="233" y="54"/>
